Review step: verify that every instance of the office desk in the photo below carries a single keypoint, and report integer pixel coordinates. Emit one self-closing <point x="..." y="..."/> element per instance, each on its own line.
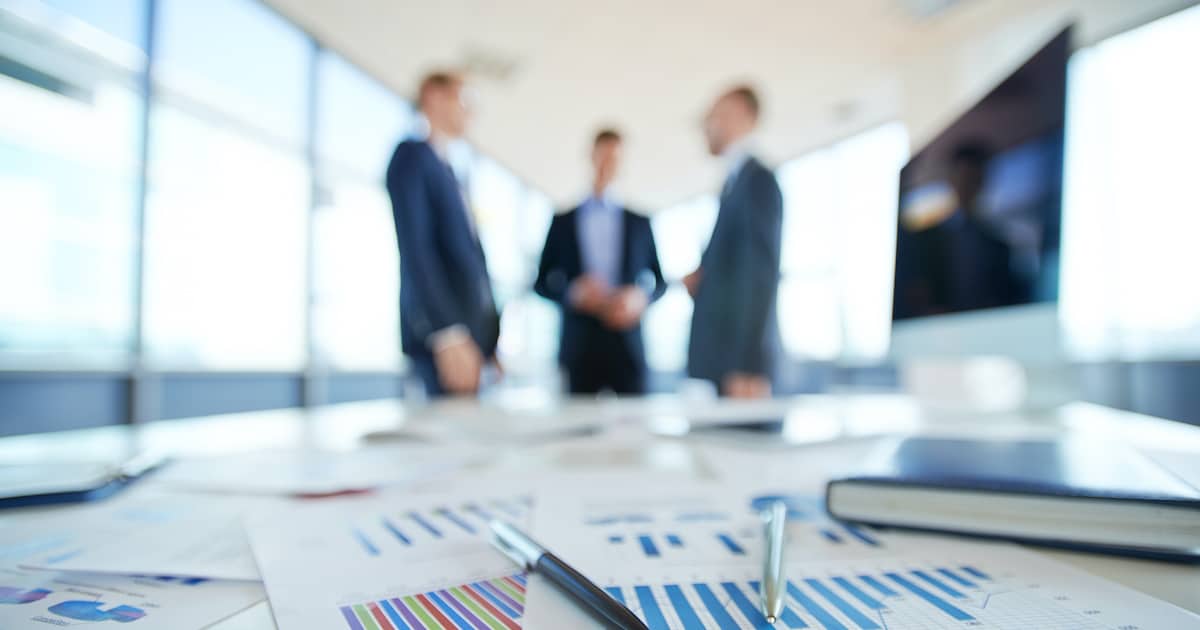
<point x="825" y="428"/>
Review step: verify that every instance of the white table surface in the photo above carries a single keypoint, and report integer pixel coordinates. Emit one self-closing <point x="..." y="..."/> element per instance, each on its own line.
<point x="823" y="424"/>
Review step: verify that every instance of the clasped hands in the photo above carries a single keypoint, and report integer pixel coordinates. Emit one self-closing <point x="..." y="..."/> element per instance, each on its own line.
<point x="618" y="308"/>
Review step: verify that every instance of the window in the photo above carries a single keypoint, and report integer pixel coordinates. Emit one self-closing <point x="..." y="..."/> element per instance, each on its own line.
<point x="530" y="325"/>
<point x="225" y="248"/>
<point x="680" y="233"/>
<point x="228" y="189"/>
<point x="359" y="121"/>
<point x="497" y="198"/>
<point x="68" y="165"/>
<point x="124" y="20"/>
<point x="838" y="246"/>
<point x="238" y="57"/>
<point x="356" y="268"/>
<point x="356" y="278"/>
<point x="1131" y="207"/>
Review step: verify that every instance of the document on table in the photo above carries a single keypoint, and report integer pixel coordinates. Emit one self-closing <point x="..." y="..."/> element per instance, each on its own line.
<point x="310" y="472"/>
<point x="394" y="560"/>
<point x="689" y="556"/>
<point x="950" y="585"/>
<point x="663" y="521"/>
<point x="37" y="599"/>
<point x="151" y="533"/>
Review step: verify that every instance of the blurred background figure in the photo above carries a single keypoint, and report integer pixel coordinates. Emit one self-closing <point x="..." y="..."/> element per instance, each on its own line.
<point x="980" y="261"/>
<point x="734" y="328"/>
<point x="449" y="321"/>
<point x="600" y="265"/>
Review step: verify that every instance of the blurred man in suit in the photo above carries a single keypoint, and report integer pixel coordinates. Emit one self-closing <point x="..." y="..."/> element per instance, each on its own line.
<point x="734" y="330"/>
<point x="448" y="319"/>
<point x="601" y="266"/>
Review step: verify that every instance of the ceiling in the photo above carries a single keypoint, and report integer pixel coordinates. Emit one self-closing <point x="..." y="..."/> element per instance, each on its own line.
<point x="552" y="71"/>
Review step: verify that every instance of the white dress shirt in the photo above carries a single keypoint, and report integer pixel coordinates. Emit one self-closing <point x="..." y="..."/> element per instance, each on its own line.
<point x="734" y="157"/>
<point x="600" y="224"/>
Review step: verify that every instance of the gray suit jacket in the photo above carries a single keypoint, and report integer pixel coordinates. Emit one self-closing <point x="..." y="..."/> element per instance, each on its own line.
<point x="734" y="327"/>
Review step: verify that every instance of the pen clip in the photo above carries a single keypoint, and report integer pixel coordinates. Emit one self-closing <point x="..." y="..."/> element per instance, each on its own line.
<point x="513" y="544"/>
<point x="509" y="550"/>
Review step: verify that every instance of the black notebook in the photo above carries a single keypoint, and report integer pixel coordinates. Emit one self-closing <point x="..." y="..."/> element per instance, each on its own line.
<point x="1069" y="493"/>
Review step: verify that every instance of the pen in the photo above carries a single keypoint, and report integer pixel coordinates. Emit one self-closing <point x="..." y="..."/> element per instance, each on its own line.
<point x="530" y="555"/>
<point x="773" y="580"/>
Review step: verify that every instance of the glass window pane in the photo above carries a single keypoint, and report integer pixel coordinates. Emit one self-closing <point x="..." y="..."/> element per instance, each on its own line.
<point x="811" y="212"/>
<point x="496" y="200"/>
<point x="839" y="236"/>
<point x="225" y="246"/>
<point x="1130" y="203"/>
<point x="122" y="19"/>
<point x="67" y="172"/>
<point x="357" y="278"/>
<point x="237" y="56"/>
<point x="810" y="314"/>
<point x="666" y="329"/>
<point x="529" y="337"/>
<point x="536" y="213"/>
<point x="359" y="121"/>
<point x="681" y="233"/>
<point x="867" y="168"/>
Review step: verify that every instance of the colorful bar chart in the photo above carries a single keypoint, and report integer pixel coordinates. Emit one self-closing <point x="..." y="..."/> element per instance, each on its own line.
<point x="495" y="604"/>
<point x="836" y="602"/>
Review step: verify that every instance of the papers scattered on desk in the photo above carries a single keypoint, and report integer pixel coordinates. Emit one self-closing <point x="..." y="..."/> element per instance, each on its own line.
<point x="36" y="599"/>
<point x="342" y="563"/>
<point x="152" y="533"/>
<point x="307" y="472"/>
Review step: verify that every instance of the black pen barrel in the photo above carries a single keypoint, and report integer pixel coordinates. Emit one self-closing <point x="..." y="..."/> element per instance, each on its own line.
<point x="578" y="586"/>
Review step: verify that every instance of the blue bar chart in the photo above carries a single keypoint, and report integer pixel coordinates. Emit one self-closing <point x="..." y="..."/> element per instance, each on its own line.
<point x="937" y="597"/>
<point x="418" y="528"/>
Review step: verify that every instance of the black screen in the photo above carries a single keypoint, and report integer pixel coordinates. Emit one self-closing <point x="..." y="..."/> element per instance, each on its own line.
<point x="981" y="204"/>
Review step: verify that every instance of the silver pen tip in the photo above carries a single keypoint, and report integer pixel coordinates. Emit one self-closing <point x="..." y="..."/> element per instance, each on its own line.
<point x="770" y="619"/>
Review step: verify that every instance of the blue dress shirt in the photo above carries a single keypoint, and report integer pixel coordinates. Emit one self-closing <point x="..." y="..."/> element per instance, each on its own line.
<point x="600" y="224"/>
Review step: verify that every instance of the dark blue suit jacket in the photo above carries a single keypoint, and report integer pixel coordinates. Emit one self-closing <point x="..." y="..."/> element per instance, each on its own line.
<point x="443" y="273"/>
<point x="562" y="263"/>
<point x="734" y="327"/>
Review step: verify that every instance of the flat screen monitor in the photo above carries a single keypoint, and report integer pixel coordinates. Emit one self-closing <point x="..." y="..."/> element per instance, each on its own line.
<point x="980" y="206"/>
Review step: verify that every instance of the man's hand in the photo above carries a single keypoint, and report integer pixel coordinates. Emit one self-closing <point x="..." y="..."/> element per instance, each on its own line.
<point x="588" y="294"/>
<point x="747" y="386"/>
<point x="624" y="310"/>
<point x="691" y="282"/>
<point x="459" y="363"/>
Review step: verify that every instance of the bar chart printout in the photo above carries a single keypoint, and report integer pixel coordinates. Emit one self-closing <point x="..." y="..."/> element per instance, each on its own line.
<point x="495" y="604"/>
<point x="902" y="597"/>
<point x="389" y="558"/>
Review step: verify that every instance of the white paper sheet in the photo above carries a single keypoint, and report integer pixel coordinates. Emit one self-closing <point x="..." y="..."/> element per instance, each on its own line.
<point x="662" y="521"/>
<point x="948" y="586"/>
<point x="689" y="556"/>
<point x="37" y="599"/>
<point x="310" y="472"/>
<point x="325" y="564"/>
<point x="153" y="533"/>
